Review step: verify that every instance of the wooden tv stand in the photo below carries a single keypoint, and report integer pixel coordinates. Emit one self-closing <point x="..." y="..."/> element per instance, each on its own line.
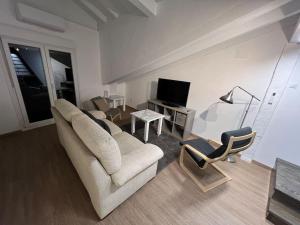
<point x="178" y="121"/>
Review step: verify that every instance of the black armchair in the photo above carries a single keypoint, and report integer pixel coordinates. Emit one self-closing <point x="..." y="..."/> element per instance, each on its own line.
<point x="200" y="154"/>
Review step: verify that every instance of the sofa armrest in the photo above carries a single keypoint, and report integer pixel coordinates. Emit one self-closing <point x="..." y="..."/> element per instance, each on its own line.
<point x="98" y="114"/>
<point x="135" y="162"/>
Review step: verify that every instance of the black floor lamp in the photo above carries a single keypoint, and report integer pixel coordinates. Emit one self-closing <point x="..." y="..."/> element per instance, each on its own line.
<point x="228" y="98"/>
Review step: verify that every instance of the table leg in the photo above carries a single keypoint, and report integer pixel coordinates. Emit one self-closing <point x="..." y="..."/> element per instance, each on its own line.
<point x="124" y="106"/>
<point x="159" y="126"/>
<point x="132" y="124"/>
<point x="146" y="132"/>
<point x="114" y="103"/>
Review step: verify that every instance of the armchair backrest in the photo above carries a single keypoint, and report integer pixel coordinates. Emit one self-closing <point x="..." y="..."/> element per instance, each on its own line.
<point x="238" y="140"/>
<point x="101" y="103"/>
<point x="233" y="142"/>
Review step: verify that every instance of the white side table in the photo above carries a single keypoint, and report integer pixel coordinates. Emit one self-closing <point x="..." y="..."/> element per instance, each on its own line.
<point x="117" y="98"/>
<point x="147" y="116"/>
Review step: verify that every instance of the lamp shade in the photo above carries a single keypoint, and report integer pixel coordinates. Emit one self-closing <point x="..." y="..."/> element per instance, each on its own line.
<point x="228" y="97"/>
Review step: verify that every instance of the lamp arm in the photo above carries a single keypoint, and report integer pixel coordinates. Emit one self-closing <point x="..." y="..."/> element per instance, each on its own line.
<point x="247" y="92"/>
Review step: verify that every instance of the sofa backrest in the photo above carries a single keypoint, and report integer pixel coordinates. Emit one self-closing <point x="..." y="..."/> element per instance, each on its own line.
<point x="98" y="141"/>
<point x="93" y="175"/>
<point x="66" y="109"/>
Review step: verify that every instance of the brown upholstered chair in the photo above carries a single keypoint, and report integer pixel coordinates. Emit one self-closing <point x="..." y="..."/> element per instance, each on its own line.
<point x="102" y="104"/>
<point x="199" y="154"/>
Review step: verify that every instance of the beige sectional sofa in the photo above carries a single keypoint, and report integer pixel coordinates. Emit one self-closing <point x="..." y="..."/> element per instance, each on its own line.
<point x="111" y="167"/>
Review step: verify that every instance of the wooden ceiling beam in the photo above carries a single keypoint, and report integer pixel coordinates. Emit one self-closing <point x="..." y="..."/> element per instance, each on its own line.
<point x="108" y="8"/>
<point x="92" y="9"/>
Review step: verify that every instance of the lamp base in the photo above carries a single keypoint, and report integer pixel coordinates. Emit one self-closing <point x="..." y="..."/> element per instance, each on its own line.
<point x="231" y="159"/>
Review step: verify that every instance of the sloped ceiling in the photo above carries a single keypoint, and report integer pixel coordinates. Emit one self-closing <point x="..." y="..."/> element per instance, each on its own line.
<point x="138" y="36"/>
<point x="133" y="47"/>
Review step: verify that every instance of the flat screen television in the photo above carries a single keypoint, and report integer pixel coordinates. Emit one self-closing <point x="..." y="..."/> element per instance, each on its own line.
<point x="173" y="92"/>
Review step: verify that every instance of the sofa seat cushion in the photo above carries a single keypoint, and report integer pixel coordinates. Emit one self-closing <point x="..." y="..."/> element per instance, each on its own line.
<point x="135" y="162"/>
<point x="127" y="142"/>
<point x="99" y="142"/>
<point x="66" y="109"/>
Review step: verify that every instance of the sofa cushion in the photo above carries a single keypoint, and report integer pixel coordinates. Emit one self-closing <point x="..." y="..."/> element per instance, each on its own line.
<point x="99" y="142"/>
<point x="66" y="109"/>
<point x="88" y="105"/>
<point x="98" y="114"/>
<point x="101" y="104"/>
<point x="135" y="162"/>
<point x="100" y="122"/>
<point x="127" y="142"/>
<point x="114" y="129"/>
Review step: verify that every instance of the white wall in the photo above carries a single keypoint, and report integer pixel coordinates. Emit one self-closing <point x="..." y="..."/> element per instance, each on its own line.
<point x="248" y="62"/>
<point x="281" y="138"/>
<point x="85" y="41"/>
<point x="9" y="120"/>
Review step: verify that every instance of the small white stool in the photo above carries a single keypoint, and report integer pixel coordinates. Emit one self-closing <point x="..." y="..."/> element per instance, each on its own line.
<point x="147" y="116"/>
<point x="117" y="98"/>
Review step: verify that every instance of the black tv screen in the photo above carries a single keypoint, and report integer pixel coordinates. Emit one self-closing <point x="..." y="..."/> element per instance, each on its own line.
<point x="173" y="92"/>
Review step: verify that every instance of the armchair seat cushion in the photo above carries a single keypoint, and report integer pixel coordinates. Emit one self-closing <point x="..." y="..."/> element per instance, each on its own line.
<point x="135" y="162"/>
<point x="202" y="146"/>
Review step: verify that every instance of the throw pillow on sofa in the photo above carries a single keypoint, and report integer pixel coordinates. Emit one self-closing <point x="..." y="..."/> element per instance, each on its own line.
<point x="101" y="123"/>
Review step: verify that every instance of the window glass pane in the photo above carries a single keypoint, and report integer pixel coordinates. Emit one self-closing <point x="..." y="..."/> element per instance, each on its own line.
<point x="61" y="64"/>
<point x="29" y="68"/>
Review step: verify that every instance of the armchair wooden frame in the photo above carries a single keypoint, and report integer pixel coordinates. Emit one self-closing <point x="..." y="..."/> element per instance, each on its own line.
<point x="112" y="118"/>
<point x="209" y="161"/>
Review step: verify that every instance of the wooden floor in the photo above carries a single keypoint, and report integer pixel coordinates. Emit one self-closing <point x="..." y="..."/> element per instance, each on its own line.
<point x="39" y="186"/>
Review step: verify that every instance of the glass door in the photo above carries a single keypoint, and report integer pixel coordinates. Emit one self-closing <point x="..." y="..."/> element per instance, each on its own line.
<point x="63" y="74"/>
<point x="28" y="67"/>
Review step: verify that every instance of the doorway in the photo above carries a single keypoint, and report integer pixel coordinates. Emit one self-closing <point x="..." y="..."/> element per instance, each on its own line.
<point x="40" y="75"/>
